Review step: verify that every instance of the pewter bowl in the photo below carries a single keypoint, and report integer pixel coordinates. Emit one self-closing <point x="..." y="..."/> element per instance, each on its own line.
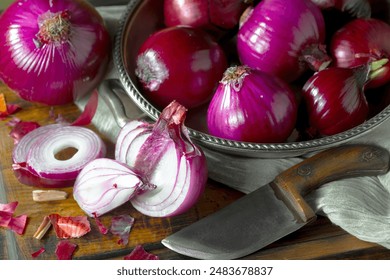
<point x="141" y="19"/>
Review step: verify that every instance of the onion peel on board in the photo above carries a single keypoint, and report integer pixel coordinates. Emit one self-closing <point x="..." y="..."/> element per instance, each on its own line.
<point x="70" y="227"/>
<point x="121" y="226"/>
<point x="65" y="250"/>
<point x="8" y="220"/>
<point x="139" y="253"/>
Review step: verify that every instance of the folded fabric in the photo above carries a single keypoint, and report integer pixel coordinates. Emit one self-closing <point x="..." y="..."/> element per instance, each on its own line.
<point x="361" y="205"/>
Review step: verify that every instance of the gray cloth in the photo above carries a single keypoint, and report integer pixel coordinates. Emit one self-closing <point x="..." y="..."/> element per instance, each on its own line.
<point x="361" y="206"/>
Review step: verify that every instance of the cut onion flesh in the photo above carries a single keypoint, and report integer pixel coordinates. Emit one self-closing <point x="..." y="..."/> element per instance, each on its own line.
<point x="35" y="156"/>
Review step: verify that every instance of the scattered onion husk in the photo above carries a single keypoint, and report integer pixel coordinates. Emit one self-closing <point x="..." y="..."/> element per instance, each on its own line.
<point x="52" y="52"/>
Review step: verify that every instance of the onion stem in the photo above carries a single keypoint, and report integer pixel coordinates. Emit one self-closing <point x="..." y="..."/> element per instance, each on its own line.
<point x="54" y="27"/>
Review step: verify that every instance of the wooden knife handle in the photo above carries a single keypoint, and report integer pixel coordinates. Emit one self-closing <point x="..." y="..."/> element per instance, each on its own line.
<point x="329" y="165"/>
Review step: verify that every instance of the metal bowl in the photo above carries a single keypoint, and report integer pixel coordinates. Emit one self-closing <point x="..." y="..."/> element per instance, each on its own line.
<point x="142" y="18"/>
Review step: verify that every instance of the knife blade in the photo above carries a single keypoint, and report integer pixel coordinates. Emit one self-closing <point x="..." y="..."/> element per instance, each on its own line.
<point x="276" y="209"/>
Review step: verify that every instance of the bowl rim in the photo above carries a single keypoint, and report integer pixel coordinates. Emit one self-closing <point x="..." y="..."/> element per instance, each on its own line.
<point x="224" y="145"/>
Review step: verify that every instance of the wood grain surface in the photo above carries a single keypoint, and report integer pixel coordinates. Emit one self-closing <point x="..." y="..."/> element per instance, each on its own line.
<point x="319" y="240"/>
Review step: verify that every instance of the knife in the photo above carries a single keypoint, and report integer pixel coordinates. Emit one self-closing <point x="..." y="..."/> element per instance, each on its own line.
<point x="276" y="209"/>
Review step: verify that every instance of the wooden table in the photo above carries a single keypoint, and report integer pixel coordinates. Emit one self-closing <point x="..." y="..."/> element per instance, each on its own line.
<point x="319" y="240"/>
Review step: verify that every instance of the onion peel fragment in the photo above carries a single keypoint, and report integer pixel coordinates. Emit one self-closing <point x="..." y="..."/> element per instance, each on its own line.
<point x="100" y="225"/>
<point x="7" y="219"/>
<point x="20" y="129"/>
<point x="38" y="252"/>
<point x="70" y="227"/>
<point x="139" y="253"/>
<point x="7" y="109"/>
<point x="89" y="110"/>
<point x="65" y="250"/>
<point x="121" y="226"/>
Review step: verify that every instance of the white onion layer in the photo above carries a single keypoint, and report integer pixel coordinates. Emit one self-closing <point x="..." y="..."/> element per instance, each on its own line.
<point x="36" y="152"/>
<point x="104" y="184"/>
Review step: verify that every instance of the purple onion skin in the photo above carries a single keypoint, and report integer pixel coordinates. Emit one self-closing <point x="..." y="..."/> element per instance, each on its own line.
<point x="335" y="101"/>
<point x="262" y="110"/>
<point x="52" y="73"/>
<point x="180" y="63"/>
<point x="276" y="33"/>
<point x="369" y="39"/>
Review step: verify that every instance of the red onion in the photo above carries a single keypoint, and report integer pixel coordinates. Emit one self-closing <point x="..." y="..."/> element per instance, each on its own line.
<point x="364" y="41"/>
<point x="52" y="51"/>
<point x="164" y="156"/>
<point x="357" y="8"/>
<point x="283" y="38"/>
<point x="104" y="184"/>
<point x="180" y="63"/>
<point x="335" y="99"/>
<point x="35" y="161"/>
<point x="252" y="106"/>
<point x="208" y="14"/>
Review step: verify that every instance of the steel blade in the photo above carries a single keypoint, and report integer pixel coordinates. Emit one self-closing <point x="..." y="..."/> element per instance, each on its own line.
<point x="243" y="227"/>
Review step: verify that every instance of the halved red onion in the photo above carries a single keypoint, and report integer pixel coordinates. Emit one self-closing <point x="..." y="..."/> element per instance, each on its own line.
<point x="164" y="155"/>
<point x="105" y="184"/>
<point x="35" y="161"/>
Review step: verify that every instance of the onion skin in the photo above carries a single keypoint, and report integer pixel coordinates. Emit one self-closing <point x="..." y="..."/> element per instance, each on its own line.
<point x="180" y="63"/>
<point x="252" y="106"/>
<point x="52" y="70"/>
<point x="360" y="42"/>
<point x="278" y="36"/>
<point x="335" y="99"/>
<point x="164" y="156"/>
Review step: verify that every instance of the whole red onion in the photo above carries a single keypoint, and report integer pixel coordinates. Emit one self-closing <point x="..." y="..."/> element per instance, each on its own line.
<point x="52" y="51"/>
<point x="208" y="14"/>
<point x="180" y="63"/>
<point x="252" y="106"/>
<point x="335" y="99"/>
<point x="364" y="41"/>
<point x="283" y="38"/>
<point x="356" y="8"/>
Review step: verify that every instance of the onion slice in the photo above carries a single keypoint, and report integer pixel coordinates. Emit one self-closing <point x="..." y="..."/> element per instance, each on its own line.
<point x="35" y="161"/>
<point x="105" y="184"/>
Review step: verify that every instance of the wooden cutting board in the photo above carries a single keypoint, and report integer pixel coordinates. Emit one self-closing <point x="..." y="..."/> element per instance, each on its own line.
<point x="320" y="240"/>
